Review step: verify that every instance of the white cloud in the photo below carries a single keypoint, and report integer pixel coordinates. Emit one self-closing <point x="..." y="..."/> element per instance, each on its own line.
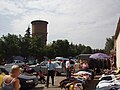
<point x="9" y="7"/>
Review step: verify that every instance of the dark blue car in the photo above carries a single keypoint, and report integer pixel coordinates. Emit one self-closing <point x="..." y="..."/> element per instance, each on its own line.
<point x="26" y="81"/>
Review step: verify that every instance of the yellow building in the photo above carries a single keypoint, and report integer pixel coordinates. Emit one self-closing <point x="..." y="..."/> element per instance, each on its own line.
<point x="117" y="44"/>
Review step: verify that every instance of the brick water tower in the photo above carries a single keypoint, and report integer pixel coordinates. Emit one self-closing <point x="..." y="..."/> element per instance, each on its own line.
<point x="39" y="27"/>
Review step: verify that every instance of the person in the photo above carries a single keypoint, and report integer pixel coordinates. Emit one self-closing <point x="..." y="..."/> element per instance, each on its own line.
<point x="11" y="82"/>
<point x="68" y="70"/>
<point x="98" y="71"/>
<point x="41" y="77"/>
<point x="63" y="66"/>
<point x="50" y="72"/>
<point x="1" y="77"/>
<point x="84" y="66"/>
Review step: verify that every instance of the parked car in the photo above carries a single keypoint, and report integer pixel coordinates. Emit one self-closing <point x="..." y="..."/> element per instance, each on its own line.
<point x="43" y="67"/>
<point x="26" y="81"/>
<point x="16" y="62"/>
<point x="72" y="62"/>
<point x="60" y="67"/>
<point x="31" y="62"/>
<point x="63" y="60"/>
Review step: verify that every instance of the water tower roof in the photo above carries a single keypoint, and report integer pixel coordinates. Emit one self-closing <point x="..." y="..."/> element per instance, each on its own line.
<point x="35" y="21"/>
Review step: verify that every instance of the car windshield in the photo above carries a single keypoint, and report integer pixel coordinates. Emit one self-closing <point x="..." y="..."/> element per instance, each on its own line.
<point x="43" y="64"/>
<point x="8" y="68"/>
<point x="4" y="71"/>
<point x="56" y="64"/>
<point x="32" y="62"/>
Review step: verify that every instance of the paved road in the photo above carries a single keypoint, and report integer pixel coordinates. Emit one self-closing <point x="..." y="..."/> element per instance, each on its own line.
<point x="56" y="87"/>
<point x="90" y="86"/>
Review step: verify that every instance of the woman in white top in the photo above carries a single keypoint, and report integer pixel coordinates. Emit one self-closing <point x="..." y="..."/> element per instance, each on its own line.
<point x="11" y="82"/>
<point x="68" y="70"/>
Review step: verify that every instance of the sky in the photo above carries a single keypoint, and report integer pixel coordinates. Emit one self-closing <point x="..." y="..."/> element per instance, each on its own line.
<point x="86" y="22"/>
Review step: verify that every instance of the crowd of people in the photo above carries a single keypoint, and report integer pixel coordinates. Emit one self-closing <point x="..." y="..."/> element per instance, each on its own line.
<point x="73" y="78"/>
<point x="70" y="75"/>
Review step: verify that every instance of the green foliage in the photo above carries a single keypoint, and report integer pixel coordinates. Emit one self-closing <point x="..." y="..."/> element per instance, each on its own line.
<point x="25" y="46"/>
<point x="109" y="44"/>
<point x="60" y="47"/>
<point x="98" y="51"/>
<point x="35" y="46"/>
<point x="49" y="51"/>
<point x="12" y="45"/>
<point x="28" y="32"/>
<point x="87" y="50"/>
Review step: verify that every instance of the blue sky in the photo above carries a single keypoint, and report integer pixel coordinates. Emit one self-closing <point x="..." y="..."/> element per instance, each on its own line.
<point x="87" y="22"/>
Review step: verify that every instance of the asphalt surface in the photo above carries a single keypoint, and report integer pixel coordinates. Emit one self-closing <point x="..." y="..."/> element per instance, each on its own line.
<point x="55" y="87"/>
<point x="90" y="86"/>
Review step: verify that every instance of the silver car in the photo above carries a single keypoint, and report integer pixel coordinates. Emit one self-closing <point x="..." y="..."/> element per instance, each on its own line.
<point x="43" y="67"/>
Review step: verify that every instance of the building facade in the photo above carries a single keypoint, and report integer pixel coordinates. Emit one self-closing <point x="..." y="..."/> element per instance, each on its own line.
<point x="117" y="44"/>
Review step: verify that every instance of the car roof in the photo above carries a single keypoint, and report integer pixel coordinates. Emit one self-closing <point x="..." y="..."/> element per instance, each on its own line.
<point x="56" y="61"/>
<point x="2" y="66"/>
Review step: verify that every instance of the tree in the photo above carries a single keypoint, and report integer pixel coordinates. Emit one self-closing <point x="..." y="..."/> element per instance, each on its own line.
<point x="61" y="48"/>
<point x="87" y="50"/>
<point x="109" y="44"/>
<point x="73" y="50"/>
<point x="10" y="45"/>
<point x="98" y="51"/>
<point x="49" y="51"/>
<point x="28" y="32"/>
<point x="25" y="46"/>
<point x="36" y="46"/>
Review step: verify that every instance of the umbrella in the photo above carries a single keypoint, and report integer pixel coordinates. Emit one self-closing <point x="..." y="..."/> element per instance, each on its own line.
<point x="99" y="56"/>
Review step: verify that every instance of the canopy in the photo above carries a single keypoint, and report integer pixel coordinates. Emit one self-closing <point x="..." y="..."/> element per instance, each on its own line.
<point x="99" y="56"/>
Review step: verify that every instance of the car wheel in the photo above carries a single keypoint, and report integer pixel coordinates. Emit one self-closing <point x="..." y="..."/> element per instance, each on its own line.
<point x="43" y="81"/>
<point x="57" y="73"/>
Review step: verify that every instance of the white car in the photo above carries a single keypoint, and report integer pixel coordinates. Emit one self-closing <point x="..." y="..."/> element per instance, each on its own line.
<point x="43" y="67"/>
<point x="16" y="62"/>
